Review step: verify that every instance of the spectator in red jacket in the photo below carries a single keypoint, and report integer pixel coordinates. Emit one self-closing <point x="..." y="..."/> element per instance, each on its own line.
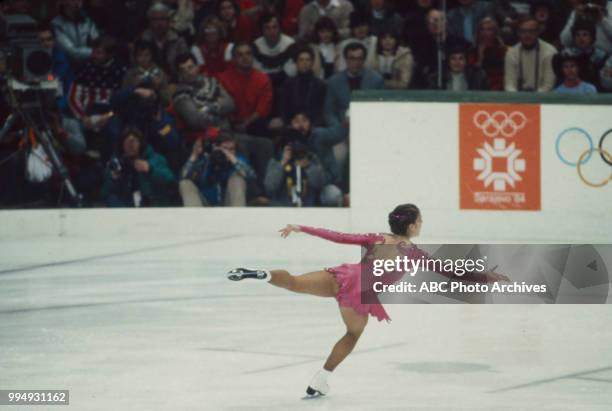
<point x="251" y="90"/>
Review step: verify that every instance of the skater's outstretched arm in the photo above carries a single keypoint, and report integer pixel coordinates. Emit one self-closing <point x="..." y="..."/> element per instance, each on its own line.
<point x="475" y="277"/>
<point x="336" y="237"/>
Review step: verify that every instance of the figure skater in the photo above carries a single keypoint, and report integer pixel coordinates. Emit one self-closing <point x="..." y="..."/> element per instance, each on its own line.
<point x="344" y="281"/>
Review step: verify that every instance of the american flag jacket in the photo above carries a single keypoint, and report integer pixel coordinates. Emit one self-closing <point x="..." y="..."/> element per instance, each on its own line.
<point x="94" y="85"/>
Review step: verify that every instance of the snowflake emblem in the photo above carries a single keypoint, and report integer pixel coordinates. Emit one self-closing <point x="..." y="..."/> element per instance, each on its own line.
<point x="509" y="155"/>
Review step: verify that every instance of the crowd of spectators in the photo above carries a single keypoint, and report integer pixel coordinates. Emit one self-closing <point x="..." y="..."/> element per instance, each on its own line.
<point x="246" y="102"/>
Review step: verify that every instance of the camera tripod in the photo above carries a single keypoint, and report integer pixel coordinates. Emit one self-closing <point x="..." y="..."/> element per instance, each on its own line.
<point x="29" y="108"/>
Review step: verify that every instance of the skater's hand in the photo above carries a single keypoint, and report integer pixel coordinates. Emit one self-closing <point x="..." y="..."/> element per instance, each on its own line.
<point x="290" y="228"/>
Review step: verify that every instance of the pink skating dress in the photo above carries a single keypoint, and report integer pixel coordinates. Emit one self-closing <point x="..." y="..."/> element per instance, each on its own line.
<point x="348" y="276"/>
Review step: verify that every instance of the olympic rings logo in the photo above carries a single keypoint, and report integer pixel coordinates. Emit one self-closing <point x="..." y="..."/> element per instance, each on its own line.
<point x="586" y="155"/>
<point x="500" y="123"/>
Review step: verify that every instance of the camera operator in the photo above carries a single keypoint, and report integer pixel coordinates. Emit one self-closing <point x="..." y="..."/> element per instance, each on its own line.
<point x="298" y="178"/>
<point x="62" y="69"/>
<point x="138" y="176"/>
<point x="215" y="174"/>
<point x="598" y="11"/>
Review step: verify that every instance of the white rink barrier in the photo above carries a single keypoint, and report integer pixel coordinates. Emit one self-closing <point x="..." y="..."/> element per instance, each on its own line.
<point x="483" y="171"/>
<point x="486" y="169"/>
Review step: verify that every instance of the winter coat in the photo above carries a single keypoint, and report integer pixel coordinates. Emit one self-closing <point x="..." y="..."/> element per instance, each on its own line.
<point x="402" y="68"/>
<point x="280" y="180"/>
<point x="212" y="182"/>
<point x="153" y="186"/>
<point x="75" y="37"/>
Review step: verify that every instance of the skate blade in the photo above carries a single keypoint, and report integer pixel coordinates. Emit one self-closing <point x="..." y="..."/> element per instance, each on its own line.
<point x="313" y="397"/>
<point x="236" y="274"/>
<point x="239" y="274"/>
<point x="234" y="277"/>
<point x="311" y="393"/>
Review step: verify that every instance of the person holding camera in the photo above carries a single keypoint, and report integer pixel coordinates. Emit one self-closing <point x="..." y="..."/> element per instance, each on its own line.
<point x="597" y="11"/>
<point x="215" y="174"/>
<point x="138" y="176"/>
<point x="299" y="179"/>
<point x="141" y="107"/>
<point x="142" y="102"/>
<point x="145" y="71"/>
<point x="584" y="34"/>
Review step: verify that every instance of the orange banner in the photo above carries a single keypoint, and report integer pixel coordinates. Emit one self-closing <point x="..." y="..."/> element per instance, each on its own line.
<point x="499" y="165"/>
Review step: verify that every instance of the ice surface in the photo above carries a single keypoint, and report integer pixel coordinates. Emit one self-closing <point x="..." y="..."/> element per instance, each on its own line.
<point x="137" y="323"/>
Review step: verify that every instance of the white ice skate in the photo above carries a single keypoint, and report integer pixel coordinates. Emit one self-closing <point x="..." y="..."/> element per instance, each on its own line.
<point x="239" y="274"/>
<point x="318" y="385"/>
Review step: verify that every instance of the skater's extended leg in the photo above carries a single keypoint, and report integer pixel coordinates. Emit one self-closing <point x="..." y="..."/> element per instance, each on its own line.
<point x="319" y="283"/>
<point x="355" y="324"/>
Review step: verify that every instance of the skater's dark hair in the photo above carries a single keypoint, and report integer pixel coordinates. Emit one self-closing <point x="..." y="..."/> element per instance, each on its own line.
<point x="401" y="217"/>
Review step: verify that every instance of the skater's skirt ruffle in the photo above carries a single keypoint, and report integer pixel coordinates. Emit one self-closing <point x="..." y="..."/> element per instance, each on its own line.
<point x="348" y="277"/>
